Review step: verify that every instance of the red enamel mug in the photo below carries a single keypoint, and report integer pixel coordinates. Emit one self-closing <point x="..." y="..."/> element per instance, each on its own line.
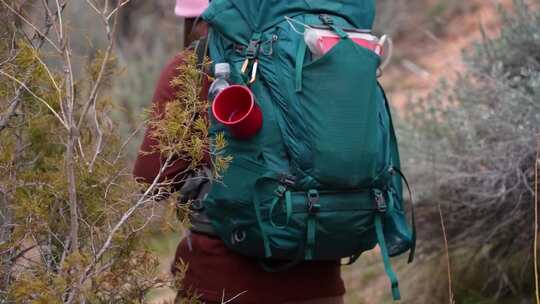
<point x="235" y="107"/>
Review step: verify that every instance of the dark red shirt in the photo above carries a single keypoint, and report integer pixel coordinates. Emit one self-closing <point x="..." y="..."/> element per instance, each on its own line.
<point x="214" y="270"/>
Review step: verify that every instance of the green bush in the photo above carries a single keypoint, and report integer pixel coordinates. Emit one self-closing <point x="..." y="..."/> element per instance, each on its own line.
<point x="471" y="146"/>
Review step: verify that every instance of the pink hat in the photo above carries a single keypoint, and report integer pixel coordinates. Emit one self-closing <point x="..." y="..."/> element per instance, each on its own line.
<point x="190" y="8"/>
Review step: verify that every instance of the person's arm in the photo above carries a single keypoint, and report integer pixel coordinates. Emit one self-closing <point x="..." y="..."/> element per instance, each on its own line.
<point x="147" y="166"/>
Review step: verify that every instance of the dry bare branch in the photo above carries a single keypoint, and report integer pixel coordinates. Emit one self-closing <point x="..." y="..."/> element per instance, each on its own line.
<point x="41" y="34"/>
<point x="146" y="197"/>
<point x="23" y="85"/>
<point x="535" y="227"/>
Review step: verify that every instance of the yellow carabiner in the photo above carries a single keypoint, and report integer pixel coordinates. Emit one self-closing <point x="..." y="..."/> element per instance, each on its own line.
<point x="254" y="69"/>
<point x="254" y="72"/>
<point x="245" y="66"/>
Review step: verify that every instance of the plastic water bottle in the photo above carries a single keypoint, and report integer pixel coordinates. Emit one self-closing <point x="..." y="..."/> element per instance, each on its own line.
<point x="222" y="73"/>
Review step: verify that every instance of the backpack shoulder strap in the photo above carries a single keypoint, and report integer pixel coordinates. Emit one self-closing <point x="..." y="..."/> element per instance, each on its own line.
<point x="197" y="190"/>
<point x="200" y="47"/>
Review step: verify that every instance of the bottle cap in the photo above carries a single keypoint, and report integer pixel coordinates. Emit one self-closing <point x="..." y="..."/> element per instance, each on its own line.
<point x="222" y="68"/>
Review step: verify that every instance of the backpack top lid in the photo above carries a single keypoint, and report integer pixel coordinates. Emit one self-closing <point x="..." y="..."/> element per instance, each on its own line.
<point x="239" y="19"/>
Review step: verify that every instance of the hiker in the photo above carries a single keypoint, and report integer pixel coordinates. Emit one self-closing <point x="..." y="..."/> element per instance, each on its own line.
<point x="315" y="175"/>
<point x="214" y="270"/>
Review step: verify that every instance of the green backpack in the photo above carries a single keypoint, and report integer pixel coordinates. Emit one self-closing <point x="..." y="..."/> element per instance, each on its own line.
<point x="321" y="180"/>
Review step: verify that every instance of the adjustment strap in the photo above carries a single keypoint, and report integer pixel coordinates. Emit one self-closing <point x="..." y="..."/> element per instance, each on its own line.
<point x="288" y="206"/>
<point x="313" y="207"/>
<point x="328" y="21"/>
<point x="386" y="258"/>
<point x="413" y="219"/>
<point x="280" y="192"/>
<point x="200" y="48"/>
<point x="257" y="207"/>
<point x="341" y="33"/>
<point x="299" y="64"/>
<point x="310" y="240"/>
<point x="266" y="242"/>
<point x="391" y="203"/>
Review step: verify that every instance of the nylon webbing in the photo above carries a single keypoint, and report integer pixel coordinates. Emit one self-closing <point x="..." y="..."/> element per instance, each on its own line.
<point x="266" y="242"/>
<point x="328" y="21"/>
<point x="413" y="220"/>
<point x="288" y="210"/>
<point x="391" y="203"/>
<point x="300" y="56"/>
<point x="341" y="33"/>
<point x="310" y="239"/>
<point x="200" y="48"/>
<point x="257" y="207"/>
<point x="313" y="209"/>
<point x="386" y="258"/>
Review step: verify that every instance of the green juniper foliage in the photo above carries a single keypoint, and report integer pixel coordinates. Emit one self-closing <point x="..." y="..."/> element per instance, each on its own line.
<point x="37" y="263"/>
<point x="182" y="127"/>
<point x="72" y="219"/>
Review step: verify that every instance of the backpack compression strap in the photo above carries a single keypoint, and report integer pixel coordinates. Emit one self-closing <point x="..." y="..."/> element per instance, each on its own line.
<point x="386" y="258"/>
<point x="382" y="207"/>
<point x="413" y="219"/>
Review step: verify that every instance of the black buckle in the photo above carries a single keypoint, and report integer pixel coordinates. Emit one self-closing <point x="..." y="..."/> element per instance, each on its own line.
<point x="380" y="201"/>
<point x="238" y="48"/>
<point x="196" y="205"/>
<point x="280" y="191"/>
<point x="313" y="201"/>
<point x="287" y="180"/>
<point x="253" y="49"/>
<point x="326" y="19"/>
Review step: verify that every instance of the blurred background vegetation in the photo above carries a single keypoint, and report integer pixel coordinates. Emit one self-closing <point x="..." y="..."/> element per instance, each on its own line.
<point x="465" y="86"/>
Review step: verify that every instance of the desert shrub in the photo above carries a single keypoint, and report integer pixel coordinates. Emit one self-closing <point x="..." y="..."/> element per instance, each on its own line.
<point x="391" y="16"/>
<point x="132" y="91"/>
<point x="149" y="34"/>
<point x="413" y="20"/>
<point x="472" y="149"/>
